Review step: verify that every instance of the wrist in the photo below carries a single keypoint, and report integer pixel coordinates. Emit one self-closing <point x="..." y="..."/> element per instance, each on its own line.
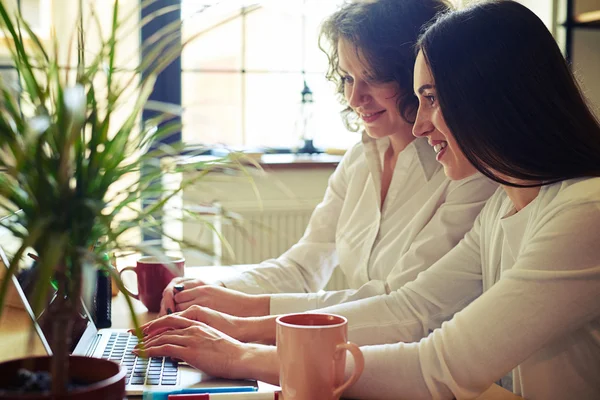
<point x="258" y="329"/>
<point x="258" y="362"/>
<point x="261" y="305"/>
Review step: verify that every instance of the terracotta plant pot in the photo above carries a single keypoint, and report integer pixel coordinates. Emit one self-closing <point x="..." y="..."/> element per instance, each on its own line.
<point x="107" y="379"/>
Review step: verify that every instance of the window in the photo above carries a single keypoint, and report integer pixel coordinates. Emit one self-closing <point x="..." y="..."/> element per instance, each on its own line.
<point x="35" y="12"/>
<point x="244" y="71"/>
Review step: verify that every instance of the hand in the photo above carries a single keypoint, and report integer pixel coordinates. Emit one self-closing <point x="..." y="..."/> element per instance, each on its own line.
<point x="233" y="326"/>
<point x="197" y="344"/>
<point x="222" y="299"/>
<point x="211" y="351"/>
<point x="167" y="304"/>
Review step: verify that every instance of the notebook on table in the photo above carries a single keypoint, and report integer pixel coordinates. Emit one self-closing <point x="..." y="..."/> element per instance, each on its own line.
<point x="111" y="344"/>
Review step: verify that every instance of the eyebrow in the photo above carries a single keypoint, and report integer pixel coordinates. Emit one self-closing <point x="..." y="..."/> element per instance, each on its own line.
<point x="424" y="87"/>
<point x="343" y="71"/>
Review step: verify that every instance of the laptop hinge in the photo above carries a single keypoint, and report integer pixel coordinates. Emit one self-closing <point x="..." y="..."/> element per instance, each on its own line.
<point x="93" y="345"/>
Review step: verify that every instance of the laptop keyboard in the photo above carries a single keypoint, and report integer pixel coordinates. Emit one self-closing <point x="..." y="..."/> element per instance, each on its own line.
<point x="140" y="371"/>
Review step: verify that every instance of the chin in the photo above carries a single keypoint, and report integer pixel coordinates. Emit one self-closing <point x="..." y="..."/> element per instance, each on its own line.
<point x="376" y="133"/>
<point x="457" y="174"/>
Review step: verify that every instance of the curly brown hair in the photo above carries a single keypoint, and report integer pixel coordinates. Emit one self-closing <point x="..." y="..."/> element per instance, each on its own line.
<point x="385" y="33"/>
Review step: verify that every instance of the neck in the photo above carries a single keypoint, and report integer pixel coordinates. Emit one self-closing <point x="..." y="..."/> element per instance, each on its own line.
<point x="401" y="139"/>
<point x="520" y="197"/>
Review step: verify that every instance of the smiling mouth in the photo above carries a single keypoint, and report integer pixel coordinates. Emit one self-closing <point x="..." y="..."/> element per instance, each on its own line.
<point x="439" y="147"/>
<point x="370" y="117"/>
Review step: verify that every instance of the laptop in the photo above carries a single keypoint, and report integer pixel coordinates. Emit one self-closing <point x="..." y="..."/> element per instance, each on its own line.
<point x="112" y="344"/>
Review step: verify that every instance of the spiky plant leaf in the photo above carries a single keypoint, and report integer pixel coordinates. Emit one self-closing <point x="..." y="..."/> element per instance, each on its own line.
<point x="62" y="155"/>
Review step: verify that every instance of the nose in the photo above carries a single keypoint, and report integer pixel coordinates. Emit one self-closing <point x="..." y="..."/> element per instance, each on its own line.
<point x="359" y="94"/>
<point x="422" y="125"/>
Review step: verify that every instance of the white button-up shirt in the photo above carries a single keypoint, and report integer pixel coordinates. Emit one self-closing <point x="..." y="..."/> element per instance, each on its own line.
<point x="379" y="249"/>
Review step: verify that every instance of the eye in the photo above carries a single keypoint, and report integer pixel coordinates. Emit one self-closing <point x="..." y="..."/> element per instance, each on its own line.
<point x="347" y="79"/>
<point x="430" y="98"/>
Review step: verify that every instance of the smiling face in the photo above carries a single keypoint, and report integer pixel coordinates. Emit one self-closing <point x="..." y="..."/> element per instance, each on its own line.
<point x="374" y="102"/>
<point x="430" y="123"/>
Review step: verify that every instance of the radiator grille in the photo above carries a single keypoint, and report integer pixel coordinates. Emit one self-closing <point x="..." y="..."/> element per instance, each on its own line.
<point x="268" y="234"/>
<point x="264" y="235"/>
<point x="261" y="235"/>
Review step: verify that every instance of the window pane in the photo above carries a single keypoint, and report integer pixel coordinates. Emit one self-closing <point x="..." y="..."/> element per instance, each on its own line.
<point x="218" y="46"/>
<point x="330" y="131"/>
<point x="272" y="109"/>
<point x="35" y="12"/>
<point x="316" y="11"/>
<point x="280" y="40"/>
<point x="274" y="112"/>
<point x="212" y="104"/>
<point x="273" y="40"/>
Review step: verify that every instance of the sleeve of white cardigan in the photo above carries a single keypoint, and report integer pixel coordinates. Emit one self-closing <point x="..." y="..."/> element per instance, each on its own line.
<point x="451" y="221"/>
<point x="412" y="311"/>
<point x="307" y="265"/>
<point x="551" y="291"/>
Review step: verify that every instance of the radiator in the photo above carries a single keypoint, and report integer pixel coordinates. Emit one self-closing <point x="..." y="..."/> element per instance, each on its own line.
<point x="266" y="234"/>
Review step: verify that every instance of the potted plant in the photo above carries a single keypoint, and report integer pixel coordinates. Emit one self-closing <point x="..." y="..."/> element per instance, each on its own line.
<point x="62" y="157"/>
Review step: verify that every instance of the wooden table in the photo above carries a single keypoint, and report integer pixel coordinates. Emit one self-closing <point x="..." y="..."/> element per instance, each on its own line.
<point x="121" y="318"/>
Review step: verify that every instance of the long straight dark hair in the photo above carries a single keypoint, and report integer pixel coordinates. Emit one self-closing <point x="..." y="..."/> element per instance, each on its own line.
<point x="508" y="97"/>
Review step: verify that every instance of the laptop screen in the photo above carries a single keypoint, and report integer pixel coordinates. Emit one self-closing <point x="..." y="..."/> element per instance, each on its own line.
<point x="21" y="336"/>
<point x="26" y="281"/>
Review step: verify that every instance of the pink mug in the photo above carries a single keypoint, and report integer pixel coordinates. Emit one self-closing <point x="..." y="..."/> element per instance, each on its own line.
<point x="153" y="276"/>
<point x="312" y="356"/>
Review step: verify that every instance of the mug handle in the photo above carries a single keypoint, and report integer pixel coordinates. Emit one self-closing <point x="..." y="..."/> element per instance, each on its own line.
<point x="134" y="295"/>
<point x="359" y="365"/>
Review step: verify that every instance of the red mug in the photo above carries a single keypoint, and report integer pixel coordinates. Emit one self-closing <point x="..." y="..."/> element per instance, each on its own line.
<point x="153" y="276"/>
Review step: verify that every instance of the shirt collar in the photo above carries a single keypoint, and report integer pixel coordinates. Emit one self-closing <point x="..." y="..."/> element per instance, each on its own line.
<point x="375" y="149"/>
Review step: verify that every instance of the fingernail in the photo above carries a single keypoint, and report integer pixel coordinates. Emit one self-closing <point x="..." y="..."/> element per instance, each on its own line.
<point x="179" y="287"/>
<point x="169" y="311"/>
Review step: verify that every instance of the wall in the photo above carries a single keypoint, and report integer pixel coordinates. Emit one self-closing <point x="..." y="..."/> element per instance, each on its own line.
<point x="586" y="55"/>
<point x="59" y="19"/>
<point x="586" y="42"/>
<point x="279" y="190"/>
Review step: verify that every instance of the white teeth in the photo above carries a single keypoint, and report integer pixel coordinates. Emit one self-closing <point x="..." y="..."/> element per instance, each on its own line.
<point x="370" y="115"/>
<point x="438" y="147"/>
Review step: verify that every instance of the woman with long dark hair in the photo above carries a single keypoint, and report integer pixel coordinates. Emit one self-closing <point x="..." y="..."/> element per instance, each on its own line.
<point x="521" y="291"/>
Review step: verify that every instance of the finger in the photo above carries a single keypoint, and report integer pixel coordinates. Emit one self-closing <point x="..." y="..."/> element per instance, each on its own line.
<point x="196" y="313"/>
<point x="165" y="310"/>
<point x="144" y="325"/>
<point x="178" y="337"/>
<point x="179" y="287"/>
<point x="156" y="332"/>
<point x="194" y="293"/>
<point x="178" y="280"/>
<point x="173" y="321"/>
<point x="167" y="350"/>
<point x="167" y="303"/>
<point x="182" y="307"/>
